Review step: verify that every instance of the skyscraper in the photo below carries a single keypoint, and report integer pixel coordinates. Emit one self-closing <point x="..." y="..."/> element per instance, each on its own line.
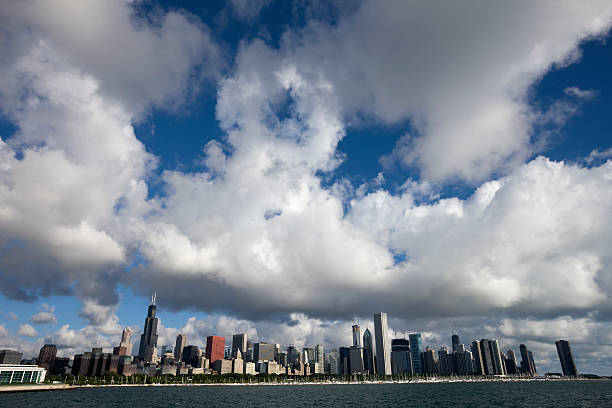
<point x="10" y="357"/>
<point x="356" y="360"/>
<point x="445" y="361"/>
<point x="463" y="361"/>
<point x="487" y="358"/>
<point x="416" y="347"/>
<point x="527" y="363"/>
<point x="334" y="362"/>
<point x="293" y="355"/>
<point x="511" y="363"/>
<point x="126" y="337"/>
<point x="430" y="362"/>
<point x="181" y="341"/>
<point x="215" y="348"/>
<point x="345" y="360"/>
<point x="401" y="357"/>
<point x="308" y="355"/>
<point x="455" y="341"/>
<point x="148" y="339"/>
<point x="46" y="356"/>
<point x="264" y="352"/>
<point x="319" y="354"/>
<point x="368" y="352"/>
<point x="498" y="363"/>
<point x="383" y="345"/>
<point x="239" y="342"/>
<point x="356" y="336"/>
<point x="478" y="359"/>
<point x="125" y="347"/>
<point x="566" y="357"/>
<point x="189" y="355"/>
<point x="533" y="366"/>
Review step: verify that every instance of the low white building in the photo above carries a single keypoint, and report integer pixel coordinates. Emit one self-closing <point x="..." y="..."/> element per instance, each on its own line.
<point x="18" y="374"/>
<point x="249" y="368"/>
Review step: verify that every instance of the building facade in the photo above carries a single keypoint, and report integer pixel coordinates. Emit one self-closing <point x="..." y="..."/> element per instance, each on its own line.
<point x="148" y="339"/>
<point x="334" y="362"/>
<point x="455" y="341"/>
<point x="401" y="357"/>
<point x="47" y="355"/>
<point x="566" y="358"/>
<point x="181" y="342"/>
<point x="356" y="336"/>
<point x="215" y="348"/>
<point x="319" y="355"/>
<point x="416" y="346"/>
<point x="383" y="345"/>
<point x="345" y="360"/>
<point x="368" y="352"/>
<point x="10" y="357"/>
<point x="190" y="355"/>
<point x="239" y="343"/>
<point x="20" y="374"/>
<point x="264" y="352"/>
<point x="511" y="363"/>
<point x="356" y="360"/>
<point x="430" y="362"/>
<point x="527" y="363"/>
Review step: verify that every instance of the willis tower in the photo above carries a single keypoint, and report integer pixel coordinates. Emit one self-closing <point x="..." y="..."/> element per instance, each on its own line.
<point x="148" y="339"/>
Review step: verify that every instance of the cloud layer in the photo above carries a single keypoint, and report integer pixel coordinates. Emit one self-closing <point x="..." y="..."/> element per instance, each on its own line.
<point x="256" y="234"/>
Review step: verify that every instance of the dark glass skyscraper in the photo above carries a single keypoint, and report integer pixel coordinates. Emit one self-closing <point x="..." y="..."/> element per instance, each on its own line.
<point x="345" y="360"/>
<point x="239" y="343"/>
<point x="148" y="339"/>
<point x="490" y="357"/>
<point x="478" y="358"/>
<point x="527" y="363"/>
<point x="190" y="355"/>
<point x="416" y="348"/>
<point x="368" y="352"/>
<point x="566" y="357"/>
<point x="511" y="363"/>
<point x="455" y="341"/>
<point x="401" y="357"/>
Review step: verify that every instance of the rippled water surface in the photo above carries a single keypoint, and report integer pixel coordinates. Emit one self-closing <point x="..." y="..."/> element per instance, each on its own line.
<point x="519" y="394"/>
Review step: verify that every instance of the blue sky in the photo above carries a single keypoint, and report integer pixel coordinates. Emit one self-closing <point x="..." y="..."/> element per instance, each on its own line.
<point x="286" y="167"/>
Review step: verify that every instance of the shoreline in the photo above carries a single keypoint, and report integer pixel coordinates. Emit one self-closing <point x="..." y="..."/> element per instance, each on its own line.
<point x="64" y="387"/>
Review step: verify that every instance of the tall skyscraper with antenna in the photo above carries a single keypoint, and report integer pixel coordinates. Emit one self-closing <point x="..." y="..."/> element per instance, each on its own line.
<point x="148" y="339"/>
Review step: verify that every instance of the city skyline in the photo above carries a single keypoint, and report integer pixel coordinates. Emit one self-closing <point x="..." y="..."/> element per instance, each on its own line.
<point x="400" y="357"/>
<point x="285" y="169"/>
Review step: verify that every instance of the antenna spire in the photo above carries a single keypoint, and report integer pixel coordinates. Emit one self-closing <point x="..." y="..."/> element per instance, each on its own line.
<point x="153" y="297"/>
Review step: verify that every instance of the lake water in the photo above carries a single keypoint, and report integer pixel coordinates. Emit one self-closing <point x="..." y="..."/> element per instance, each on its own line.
<point x="496" y="394"/>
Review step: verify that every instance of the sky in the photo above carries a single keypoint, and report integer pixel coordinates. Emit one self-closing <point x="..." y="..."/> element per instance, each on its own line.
<point x="286" y="169"/>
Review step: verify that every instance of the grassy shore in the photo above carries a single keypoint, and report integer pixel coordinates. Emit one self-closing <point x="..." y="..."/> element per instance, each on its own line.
<point x="55" y="387"/>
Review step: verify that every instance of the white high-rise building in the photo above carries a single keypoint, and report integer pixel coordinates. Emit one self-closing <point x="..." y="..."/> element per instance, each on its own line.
<point x="125" y="341"/>
<point x="383" y="345"/>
